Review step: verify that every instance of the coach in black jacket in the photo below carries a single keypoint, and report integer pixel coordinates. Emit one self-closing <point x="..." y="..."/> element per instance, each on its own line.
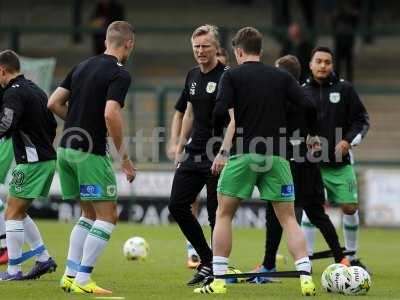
<point x="343" y="123"/>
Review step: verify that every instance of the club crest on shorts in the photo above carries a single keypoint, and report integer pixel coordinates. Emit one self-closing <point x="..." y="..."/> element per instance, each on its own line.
<point x="334" y="97"/>
<point x="111" y="190"/>
<point x="211" y="86"/>
<point x="18" y="178"/>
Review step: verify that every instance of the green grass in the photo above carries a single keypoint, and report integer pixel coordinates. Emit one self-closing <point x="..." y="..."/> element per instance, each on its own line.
<point x="164" y="274"/>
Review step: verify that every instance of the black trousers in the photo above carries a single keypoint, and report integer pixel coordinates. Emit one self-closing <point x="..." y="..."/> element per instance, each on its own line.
<point x="310" y="199"/>
<point x="190" y="177"/>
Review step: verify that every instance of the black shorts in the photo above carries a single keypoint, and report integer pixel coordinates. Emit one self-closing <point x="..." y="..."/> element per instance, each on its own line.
<point x="308" y="185"/>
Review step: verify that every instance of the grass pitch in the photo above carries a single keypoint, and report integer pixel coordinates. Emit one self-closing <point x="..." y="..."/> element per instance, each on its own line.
<point x="164" y="274"/>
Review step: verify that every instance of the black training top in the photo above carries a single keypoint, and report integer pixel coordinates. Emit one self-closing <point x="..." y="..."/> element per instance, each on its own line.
<point x="92" y="83"/>
<point x="201" y="91"/>
<point x="259" y="95"/>
<point x="25" y="116"/>
<point x="341" y="115"/>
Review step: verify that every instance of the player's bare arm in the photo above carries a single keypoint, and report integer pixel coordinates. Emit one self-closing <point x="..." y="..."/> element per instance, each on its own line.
<point x="58" y="102"/>
<point x="176" y="126"/>
<point x="115" y="125"/>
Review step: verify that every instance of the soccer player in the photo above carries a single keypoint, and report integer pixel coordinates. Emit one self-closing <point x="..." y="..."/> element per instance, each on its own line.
<point x="344" y="122"/>
<point x="95" y="91"/>
<point x="24" y="116"/>
<point x="256" y="96"/>
<point x="194" y="171"/>
<point x="308" y="186"/>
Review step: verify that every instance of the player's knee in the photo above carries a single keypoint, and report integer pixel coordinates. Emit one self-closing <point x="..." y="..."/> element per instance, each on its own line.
<point x="178" y="208"/>
<point x="14" y="213"/>
<point x="88" y="211"/>
<point x="174" y="209"/>
<point x="223" y="212"/>
<point x="89" y="214"/>
<point x="110" y="217"/>
<point x="349" y="209"/>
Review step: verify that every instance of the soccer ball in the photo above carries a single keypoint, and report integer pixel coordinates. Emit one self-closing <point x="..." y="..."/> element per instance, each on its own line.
<point x="341" y="279"/>
<point x="360" y="281"/>
<point x="326" y="278"/>
<point x="136" y="248"/>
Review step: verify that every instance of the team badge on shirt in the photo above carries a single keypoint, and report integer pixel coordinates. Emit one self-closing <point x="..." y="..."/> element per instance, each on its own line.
<point x="334" y="97"/>
<point x="193" y="88"/>
<point x="211" y="87"/>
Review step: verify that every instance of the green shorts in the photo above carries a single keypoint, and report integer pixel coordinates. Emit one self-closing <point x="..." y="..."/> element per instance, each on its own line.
<point x="86" y="176"/>
<point x="6" y="157"/>
<point x="32" y="180"/>
<point x="271" y="175"/>
<point x="341" y="184"/>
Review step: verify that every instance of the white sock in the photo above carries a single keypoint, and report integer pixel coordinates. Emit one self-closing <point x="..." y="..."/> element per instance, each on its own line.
<point x="76" y="242"/>
<point x="15" y="240"/>
<point x="95" y="243"/>
<point x="309" y="233"/>
<point x="350" y="230"/>
<point x="220" y="265"/>
<point x="190" y="250"/>
<point x="303" y="264"/>
<point x="34" y="239"/>
<point x="3" y="243"/>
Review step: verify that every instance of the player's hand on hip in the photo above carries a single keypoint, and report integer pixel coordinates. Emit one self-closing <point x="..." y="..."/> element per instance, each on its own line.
<point x="128" y="169"/>
<point x="218" y="164"/>
<point x="342" y="149"/>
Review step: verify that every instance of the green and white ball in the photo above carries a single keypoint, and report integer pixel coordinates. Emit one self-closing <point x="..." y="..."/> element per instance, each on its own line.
<point x="136" y="248"/>
<point x="326" y="278"/>
<point x="341" y="279"/>
<point x="360" y="281"/>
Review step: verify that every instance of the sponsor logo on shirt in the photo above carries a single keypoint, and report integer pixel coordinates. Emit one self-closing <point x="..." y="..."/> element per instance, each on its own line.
<point x="287" y="190"/>
<point x="334" y="97"/>
<point x="193" y="88"/>
<point x="211" y="87"/>
<point x="90" y="190"/>
<point x="15" y="86"/>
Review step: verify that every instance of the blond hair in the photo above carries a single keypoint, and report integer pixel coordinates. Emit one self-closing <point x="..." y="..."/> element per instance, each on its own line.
<point x="207" y="29"/>
<point x="119" y="32"/>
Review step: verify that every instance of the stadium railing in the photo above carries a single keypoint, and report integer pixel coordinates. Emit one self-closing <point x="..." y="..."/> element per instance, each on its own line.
<point x="15" y="31"/>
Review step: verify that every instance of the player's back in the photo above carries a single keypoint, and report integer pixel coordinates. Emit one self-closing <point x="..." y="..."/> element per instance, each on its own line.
<point x="260" y="94"/>
<point x="35" y="130"/>
<point x="89" y="84"/>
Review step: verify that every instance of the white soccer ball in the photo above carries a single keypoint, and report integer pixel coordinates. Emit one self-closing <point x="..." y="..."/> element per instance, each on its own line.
<point x="136" y="248"/>
<point x="326" y="278"/>
<point x="360" y="281"/>
<point x="341" y="279"/>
